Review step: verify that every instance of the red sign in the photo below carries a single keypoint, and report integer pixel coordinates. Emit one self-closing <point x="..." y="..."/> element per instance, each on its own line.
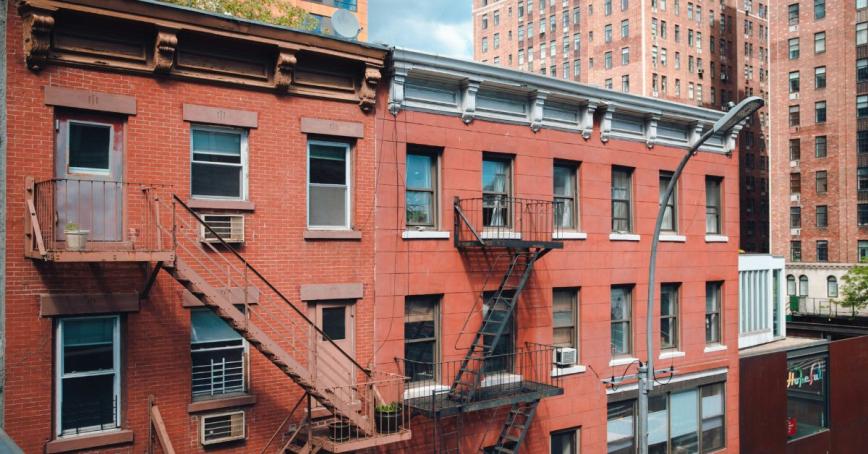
<point x="791" y="426"/>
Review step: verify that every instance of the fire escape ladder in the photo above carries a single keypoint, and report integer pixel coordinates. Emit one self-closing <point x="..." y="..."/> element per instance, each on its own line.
<point x="518" y="421"/>
<point x="500" y="307"/>
<point x="448" y="440"/>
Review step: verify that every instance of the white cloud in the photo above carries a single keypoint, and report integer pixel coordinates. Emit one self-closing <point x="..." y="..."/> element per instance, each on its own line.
<point x="413" y="25"/>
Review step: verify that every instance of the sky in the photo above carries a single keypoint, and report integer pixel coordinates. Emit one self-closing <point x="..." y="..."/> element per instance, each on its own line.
<point x="439" y="26"/>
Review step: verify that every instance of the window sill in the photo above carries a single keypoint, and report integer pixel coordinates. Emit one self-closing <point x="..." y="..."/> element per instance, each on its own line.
<point x="216" y="204"/>
<point x="716" y="239"/>
<point x="623" y="361"/>
<point x="500" y="235"/>
<point x="570" y="236"/>
<point x="671" y="354"/>
<point x="416" y="392"/>
<point x="564" y="371"/>
<point x="500" y="379"/>
<point x="672" y="238"/>
<point x="715" y="348"/>
<point x="218" y="403"/>
<point x="82" y="442"/>
<point x="338" y="235"/>
<point x="624" y="237"/>
<point x="425" y="234"/>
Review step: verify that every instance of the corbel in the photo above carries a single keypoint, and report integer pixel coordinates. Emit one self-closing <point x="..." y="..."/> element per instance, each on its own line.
<point x="731" y="139"/>
<point x="396" y="91"/>
<point x="283" y="68"/>
<point x="164" y="50"/>
<point x="38" y="25"/>
<point x="368" y="90"/>
<point x="587" y="120"/>
<point x="537" y="105"/>
<point x="695" y="132"/>
<point x="651" y="130"/>
<point x="606" y="123"/>
<point x="468" y="100"/>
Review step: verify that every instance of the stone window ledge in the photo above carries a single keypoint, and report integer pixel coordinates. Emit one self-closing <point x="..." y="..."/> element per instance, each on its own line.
<point x="334" y="235"/>
<point x="82" y="442"/>
<point x="220" y="403"/>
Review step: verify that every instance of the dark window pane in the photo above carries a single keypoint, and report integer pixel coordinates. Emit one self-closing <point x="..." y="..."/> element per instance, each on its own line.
<point x="419" y="171"/>
<point x="222" y="142"/>
<point x="420" y="208"/>
<point x="328" y="206"/>
<point x="88" y="404"/>
<point x="216" y="180"/>
<point x="334" y="322"/>
<point x="89" y="146"/>
<point x="419" y="330"/>
<point x="328" y="165"/>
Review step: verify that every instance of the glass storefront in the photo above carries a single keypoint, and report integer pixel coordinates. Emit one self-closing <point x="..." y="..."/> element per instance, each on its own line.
<point x="807" y="395"/>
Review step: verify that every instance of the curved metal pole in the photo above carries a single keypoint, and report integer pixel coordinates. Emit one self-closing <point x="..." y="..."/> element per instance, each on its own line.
<point x="646" y="371"/>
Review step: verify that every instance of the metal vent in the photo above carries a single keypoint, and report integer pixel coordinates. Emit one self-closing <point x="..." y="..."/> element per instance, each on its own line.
<point x="229" y="227"/>
<point x="222" y="427"/>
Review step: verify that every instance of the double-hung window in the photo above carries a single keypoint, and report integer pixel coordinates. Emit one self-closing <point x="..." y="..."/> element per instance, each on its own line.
<point x="670" y="214"/>
<point x="219" y="162"/>
<point x="795" y="251"/>
<point x="621" y="320"/>
<point x="622" y="197"/>
<point x="819" y="42"/>
<point x="566" y="441"/>
<point x="329" y="189"/>
<point x="862" y="70"/>
<point x="420" y="337"/>
<point x="862" y="106"/>
<point x="669" y="316"/>
<point x="565" y="326"/>
<point x="822" y="181"/>
<point x="566" y="196"/>
<point x="713" y="300"/>
<point x="862" y="179"/>
<point x="88" y="369"/>
<point x="421" y="197"/>
<point x="820" y="112"/>
<point x="822" y="216"/>
<point x="861" y="33"/>
<point x="820" y="77"/>
<point x="820" y="146"/>
<point x="219" y="356"/>
<point x="496" y="191"/>
<point x="822" y="251"/>
<point x="713" y="222"/>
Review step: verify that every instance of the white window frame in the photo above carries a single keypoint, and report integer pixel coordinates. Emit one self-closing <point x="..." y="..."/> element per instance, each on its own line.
<point x="348" y="202"/>
<point x="244" y="167"/>
<point x="59" y="375"/>
<point x="88" y="170"/>
<point x="245" y="355"/>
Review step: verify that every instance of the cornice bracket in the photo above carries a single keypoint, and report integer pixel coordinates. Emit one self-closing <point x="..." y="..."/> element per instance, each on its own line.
<point x="606" y="123"/>
<point x="537" y="106"/>
<point x="396" y="91"/>
<point x="38" y="25"/>
<point x="164" y="50"/>
<point x="468" y="100"/>
<point x="587" y="120"/>
<point x="651" y="130"/>
<point x="368" y="90"/>
<point x="283" y="69"/>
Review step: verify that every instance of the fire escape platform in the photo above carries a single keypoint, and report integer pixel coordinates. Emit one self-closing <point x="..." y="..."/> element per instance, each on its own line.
<point x="104" y="256"/>
<point x="358" y="444"/>
<point x="442" y="405"/>
<point x="510" y="243"/>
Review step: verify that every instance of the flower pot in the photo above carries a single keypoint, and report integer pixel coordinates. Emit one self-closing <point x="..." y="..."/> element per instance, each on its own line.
<point x="388" y="421"/>
<point x="76" y="240"/>
<point x="340" y="431"/>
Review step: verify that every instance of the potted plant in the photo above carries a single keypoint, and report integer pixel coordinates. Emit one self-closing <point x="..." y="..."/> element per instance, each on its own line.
<point x="76" y="239"/>
<point x="340" y="430"/>
<point x="388" y="417"/>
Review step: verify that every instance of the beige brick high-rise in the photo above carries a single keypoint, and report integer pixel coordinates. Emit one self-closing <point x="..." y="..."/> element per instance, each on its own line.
<point x="694" y="52"/>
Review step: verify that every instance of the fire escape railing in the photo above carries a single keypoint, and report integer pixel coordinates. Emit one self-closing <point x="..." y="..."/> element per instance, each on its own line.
<point x="496" y="219"/>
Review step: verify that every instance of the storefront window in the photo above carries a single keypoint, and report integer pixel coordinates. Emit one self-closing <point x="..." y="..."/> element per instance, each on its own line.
<point x="807" y="404"/>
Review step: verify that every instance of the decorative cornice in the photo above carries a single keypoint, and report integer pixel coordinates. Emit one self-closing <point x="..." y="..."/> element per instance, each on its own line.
<point x="651" y="130"/>
<point x="606" y="123"/>
<point x="470" y="87"/>
<point x="396" y="91"/>
<point x="164" y="50"/>
<point x="538" y="100"/>
<point x="38" y="25"/>
<point x="368" y="90"/>
<point x="586" y="122"/>
<point x="283" y="68"/>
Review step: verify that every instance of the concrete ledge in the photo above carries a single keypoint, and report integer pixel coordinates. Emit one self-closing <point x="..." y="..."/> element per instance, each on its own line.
<point x="716" y="238"/>
<point x="319" y="292"/>
<point x="90" y="100"/>
<point x="622" y="361"/>
<point x="221" y="403"/>
<point x="425" y="234"/>
<point x="671" y="354"/>
<point x="207" y="204"/>
<point x="572" y="370"/>
<point x="332" y="128"/>
<point x="714" y="348"/>
<point x="82" y="442"/>
<point x="624" y="237"/>
<point x="340" y="235"/>
<point x="220" y="116"/>
<point x="86" y="304"/>
<point x="570" y="236"/>
<point x="672" y="238"/>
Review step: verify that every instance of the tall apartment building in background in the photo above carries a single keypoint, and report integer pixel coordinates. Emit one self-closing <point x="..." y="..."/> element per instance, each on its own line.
<point x="322" y="11"/>
<point x="704" y="53"/>
<point x="820" y="158"/>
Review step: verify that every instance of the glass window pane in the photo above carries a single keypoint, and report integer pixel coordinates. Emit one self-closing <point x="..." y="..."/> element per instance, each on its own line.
<point x="806" y="395"/>
<point x="712" y="417"/>
<point x="419" y="171"/>
<point x="216" y="180"/>
<point x="328" y="164"/>
<point x="658" y="425"/>
<point x="564" y="442"/>
<point x="620" y="429"/>
<point x="495" y="176"/>
<point x="328" y="206"/>
<point x="222" y="142"/>
<point x="684" y="422"/>
<point x="420" y="208"/>
<point x="88" y="345"/>
<point x="206" y="326"/>
<point x="334" y="322"/>
<point x="89" y="146"/>
<point x="88" y="404"/>
<point x="564" y="183"/>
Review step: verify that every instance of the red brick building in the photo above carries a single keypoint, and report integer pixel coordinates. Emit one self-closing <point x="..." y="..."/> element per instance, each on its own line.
<point x="470" y="155"/>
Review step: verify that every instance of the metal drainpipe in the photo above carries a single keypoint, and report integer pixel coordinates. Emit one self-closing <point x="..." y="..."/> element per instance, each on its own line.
<point x="3" y="11"/>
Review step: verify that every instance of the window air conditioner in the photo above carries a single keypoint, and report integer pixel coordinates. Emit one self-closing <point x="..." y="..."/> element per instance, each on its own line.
<point x="229" y="227"/>
<point x="565" y="356"/>
<point x="222" y="427"/>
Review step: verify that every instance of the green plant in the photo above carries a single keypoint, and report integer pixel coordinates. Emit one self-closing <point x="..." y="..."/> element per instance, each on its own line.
<point x="855" y="287"/>
<point x="392" y="407"/>
<point x="71" y="227"/>
<point x="276" y="12"/>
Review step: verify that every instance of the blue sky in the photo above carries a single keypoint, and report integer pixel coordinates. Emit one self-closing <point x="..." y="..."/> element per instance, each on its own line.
<point x="438" y="26"/>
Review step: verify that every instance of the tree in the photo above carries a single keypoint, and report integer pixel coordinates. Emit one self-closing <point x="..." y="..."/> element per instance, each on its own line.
<point x="855" y="287"/>
<point x="277" y="12"/>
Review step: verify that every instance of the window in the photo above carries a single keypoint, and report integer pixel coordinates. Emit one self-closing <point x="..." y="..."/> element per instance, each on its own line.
<point x="607" y="60"/>
<point x="822" y="214"/>
<point x="565" y="326"/>
<point x="420" y="337"/>
<point x="792" y="44"/>
<point x="861" y="4"/>
<point x="820" y="77"/>
<point x="713" y="312"/>
<point x="807" y="388"/>
<point x="497" y="40"/>
<point x="484" y="44"/>
<point x="861" y="33"/>
<point x="625" y="56"/>
<point x="670" y="215"/>
<point x="795" y="149"/>
<point x="791" y="285"/>
<point x="862" y="251"/>
<point x="219" y="161"/>
<point x="832" y="287"/>
<point x="862" y="69"/>
<point x="795" y="217"/>
<point x="88" y="375"/>
<point x="621" y="319"/>
<point x="621" y="428"/>
<point x="505" y="347"/>
<point x="820" y="112"/>
<point x="566" y="196"/>
<point x="218" y="356"/>
<point x="793" y="14"/>
<point x="496" y="191"/>
<point x="89" y="148"/>
<point x="625" y="83"/>
<point x="819" y="9"/>
<point x="496" y="17"/>
<point x="862" y="178"/>
<point x="622" y="196"/>
<point x="794" y="82"/>
<point x="485" y="21"/>
<point x="625" y="28"/>
<point x="820" y="146"/>
<point x="819" y="42"/>
<point x="328" y="184"/>
<point x="565" y="441"/>
<point x="822" y="181"/>
<point x="822" y="251"/>
<point x="795" y="183"/>
<point x="669" y="316"/>
<point x="795" y="117"/>
<point x="713" y="205"/>
<point x="796" y="251"/>
<point x="421" y="196"/>
<point x="607" y="33"/>
<point x="803" y="285"/>
<point x="607" y="7"/>
<point x="862" y="106"/>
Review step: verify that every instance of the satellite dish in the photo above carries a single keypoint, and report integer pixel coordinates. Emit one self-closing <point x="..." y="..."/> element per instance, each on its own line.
<point x="346" y="24"/>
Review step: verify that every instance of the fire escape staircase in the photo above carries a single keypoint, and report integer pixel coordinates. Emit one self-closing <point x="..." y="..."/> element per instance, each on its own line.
<point x="515" y="428"/>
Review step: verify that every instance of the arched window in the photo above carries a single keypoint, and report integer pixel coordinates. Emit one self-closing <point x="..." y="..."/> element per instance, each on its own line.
<point x="832" y="287"/>
<point x="803" y="285"/>
<point x="791" y="285"/>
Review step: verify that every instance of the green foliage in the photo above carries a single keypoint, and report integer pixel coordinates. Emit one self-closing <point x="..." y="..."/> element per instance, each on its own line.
<point x="392" y="407"/>
<point x="275" y="12"/>
<point x="71" y="227"/>
<point x="855" y="287"/>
